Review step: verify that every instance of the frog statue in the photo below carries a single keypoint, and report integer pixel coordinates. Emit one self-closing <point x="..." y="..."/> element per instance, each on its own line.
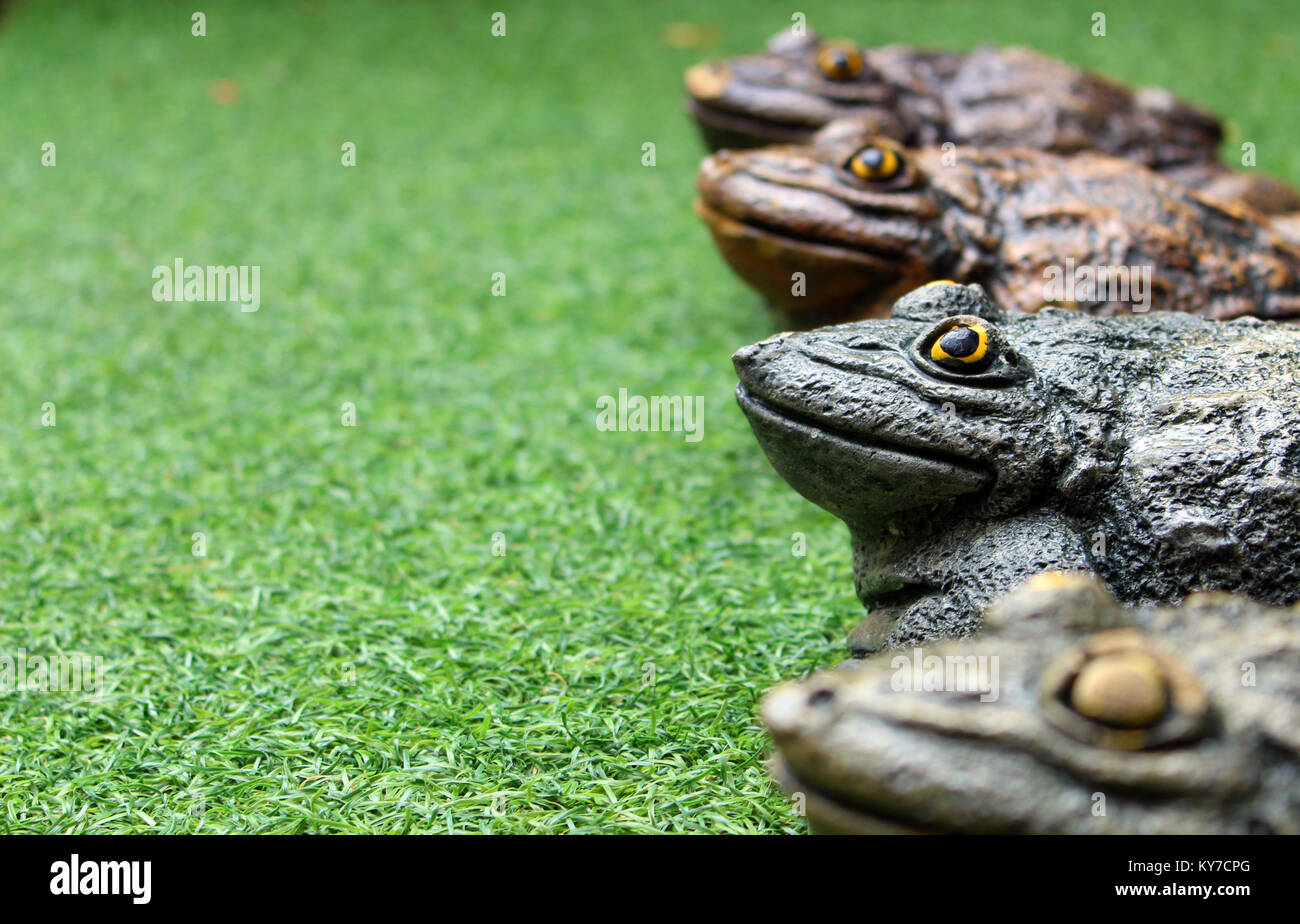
<point x="1105" y="720"/>
<point x="836" y="230"/>
<point x="967" y="449"/>
<point x="988" y="97"/>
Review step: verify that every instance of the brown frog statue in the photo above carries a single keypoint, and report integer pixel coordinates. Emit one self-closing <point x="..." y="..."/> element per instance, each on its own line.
<point x="1069" y="714"/>
<point x="837" y="229"/>
<point x="988" y="97"/>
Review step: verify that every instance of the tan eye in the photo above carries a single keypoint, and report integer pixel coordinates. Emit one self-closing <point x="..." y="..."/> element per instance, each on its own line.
<point x="875" y="163"/>
<point x="1116" y="691"/>
<point x="840" y="60"/>
<point x="1125" y="689"/>
<point x="962" y="346"/>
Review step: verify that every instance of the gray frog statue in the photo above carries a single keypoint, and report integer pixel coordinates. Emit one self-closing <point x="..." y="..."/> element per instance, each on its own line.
<point x="968" y="450"/>
<point x="1184" y="720"/>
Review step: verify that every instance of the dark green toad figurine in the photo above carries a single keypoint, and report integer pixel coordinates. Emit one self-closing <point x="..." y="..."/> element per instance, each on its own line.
<point x="1068" y="714"/>
<point x="967" y="449"/>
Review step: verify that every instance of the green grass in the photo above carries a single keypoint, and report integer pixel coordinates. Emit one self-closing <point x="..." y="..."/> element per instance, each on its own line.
<point x="350" y="655"/>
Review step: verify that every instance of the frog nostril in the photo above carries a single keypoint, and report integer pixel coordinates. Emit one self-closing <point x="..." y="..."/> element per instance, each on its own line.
<point x="821" y="697"/>
<point x="745" y="355"/>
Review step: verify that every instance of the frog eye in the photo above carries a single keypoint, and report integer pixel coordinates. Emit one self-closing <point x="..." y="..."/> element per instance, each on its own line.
<point x="1125" y="689"/>
<point x="1118" y="692"/>
<point x="875" y="163"/>
<point x="968" y="349"/>
<point x="840" y="60"/>
<point x="963" y="346"/>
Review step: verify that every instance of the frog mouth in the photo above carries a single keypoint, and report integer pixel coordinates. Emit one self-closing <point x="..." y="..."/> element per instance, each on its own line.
<point x="857" y="477"/>
<point x="839" y="280"/>
<point x="723" y="128"/>
<point x="829" y="815"/>
<point x="776" y="238"/>
<point x="839" y="283"/>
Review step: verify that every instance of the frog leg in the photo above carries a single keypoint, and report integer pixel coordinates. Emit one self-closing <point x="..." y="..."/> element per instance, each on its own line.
<point x="939" y="586"/>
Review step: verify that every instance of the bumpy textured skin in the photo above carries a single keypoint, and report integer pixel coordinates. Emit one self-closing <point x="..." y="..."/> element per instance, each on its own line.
<point x="1161" y="451"/>
<point x="989" y="97"/>
<point x="871" y="758"/>
<point x="1000" y="218"/>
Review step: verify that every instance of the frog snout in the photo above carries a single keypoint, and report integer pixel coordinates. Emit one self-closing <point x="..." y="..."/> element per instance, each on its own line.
<point x="794" y="708"/>
<point x="745" y="355"/>
<point x="715" y="168"/>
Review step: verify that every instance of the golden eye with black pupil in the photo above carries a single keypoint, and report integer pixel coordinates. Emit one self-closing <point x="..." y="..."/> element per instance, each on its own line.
<point x="968" y="349"/>
<point x="840" y="60"/>
<point x="961" y="346"/>
<point x="875" y="163"/>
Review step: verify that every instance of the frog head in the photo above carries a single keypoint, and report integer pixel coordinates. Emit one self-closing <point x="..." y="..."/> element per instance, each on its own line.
<point x="840" y="227"/>
<point x="783" y="95"/>
<point x="952" y="439"/>
<point x="932" y="413"/>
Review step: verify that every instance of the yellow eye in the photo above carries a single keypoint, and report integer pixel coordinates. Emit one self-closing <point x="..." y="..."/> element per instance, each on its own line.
<point x="875" y="163"/>
<point x="963" y="344"/>
<point x="840" y="60"/>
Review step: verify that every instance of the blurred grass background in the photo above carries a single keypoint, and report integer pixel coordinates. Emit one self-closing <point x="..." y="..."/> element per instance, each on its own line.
<point x="350" y="656"/>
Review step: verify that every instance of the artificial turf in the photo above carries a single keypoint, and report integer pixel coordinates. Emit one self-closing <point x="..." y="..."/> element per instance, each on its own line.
<point x="350" y="654"/>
